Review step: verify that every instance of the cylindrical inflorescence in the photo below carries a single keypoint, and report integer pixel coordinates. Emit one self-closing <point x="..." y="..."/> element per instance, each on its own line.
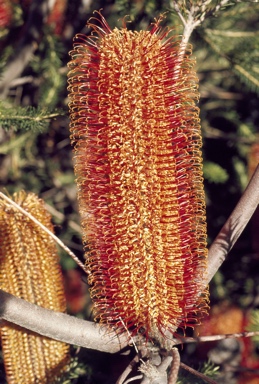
<point x="29" y="269"/>
<point x="136" y="129"/>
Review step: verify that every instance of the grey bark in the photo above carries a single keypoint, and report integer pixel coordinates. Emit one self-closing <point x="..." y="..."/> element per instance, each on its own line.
<point x="234" y="226"/>
<point x="59" y="326"/>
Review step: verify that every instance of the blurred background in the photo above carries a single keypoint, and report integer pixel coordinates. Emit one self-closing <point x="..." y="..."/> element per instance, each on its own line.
<point x="36" y="155"/>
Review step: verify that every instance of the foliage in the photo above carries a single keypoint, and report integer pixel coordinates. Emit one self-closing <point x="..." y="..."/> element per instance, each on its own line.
<point x="254" y="325"/>
<point x="75" y="371"/>
<point x="26" y="118"/>
<point x="233" y="39"/>
<point x="214" y="173"/>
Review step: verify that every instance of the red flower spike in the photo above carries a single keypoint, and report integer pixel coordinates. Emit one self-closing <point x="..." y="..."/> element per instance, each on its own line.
<point x="138" y="163"/>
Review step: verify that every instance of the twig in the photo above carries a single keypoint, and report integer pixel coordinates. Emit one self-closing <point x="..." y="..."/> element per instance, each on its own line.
<point x="133" y="379"/>
<point x="54" y="237"/>
<point x="189" y="23"/>
<point x="234" y="226"/>
<point x="175" y="5"/>
<point x="198" y="374"/>
<point x="32" y="118"/>
<point x="60" y="326"/>
<point x="172" y="379"/>
<point x="128" y="370"/>
<point x="217" y="337"/>
<point x="195" y="16"/>
<point x="21" y="81"/>
<point x="220" y="5"/>
<point x="130" y="337"/>
<point x="189" y="27"/>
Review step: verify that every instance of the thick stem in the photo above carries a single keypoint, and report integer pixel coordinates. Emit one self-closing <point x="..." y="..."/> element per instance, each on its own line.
<point x="234" y="226"/>
<point x="59" y="326"/>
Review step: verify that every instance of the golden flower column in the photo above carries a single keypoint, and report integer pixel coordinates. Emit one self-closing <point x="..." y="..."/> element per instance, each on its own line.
<point x="29" y="269"/>
<point x="138" y="163"/>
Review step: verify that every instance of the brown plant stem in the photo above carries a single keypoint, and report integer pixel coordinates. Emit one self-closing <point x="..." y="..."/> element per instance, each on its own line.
<point x="128" y="370"/>
<point x="234" y="226"/>
<point x="133" y="379"/>
<point x="203" y="339"/>
<point x="197" y="374"/>
<point x="172" y="379"/>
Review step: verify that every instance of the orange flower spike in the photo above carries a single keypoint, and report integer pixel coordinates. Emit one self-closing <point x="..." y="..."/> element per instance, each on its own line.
<point x="138" y="163"/>
<point x="29" y="269"/>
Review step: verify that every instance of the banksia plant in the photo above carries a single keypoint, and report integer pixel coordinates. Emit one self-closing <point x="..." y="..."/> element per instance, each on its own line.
<point x="136" y="130"/>
<point x="29" y="269"/>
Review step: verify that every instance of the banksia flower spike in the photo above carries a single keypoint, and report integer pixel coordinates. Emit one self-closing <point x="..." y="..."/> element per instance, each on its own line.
<point x="29" y="269"/>
<point x="138" y="163"/>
